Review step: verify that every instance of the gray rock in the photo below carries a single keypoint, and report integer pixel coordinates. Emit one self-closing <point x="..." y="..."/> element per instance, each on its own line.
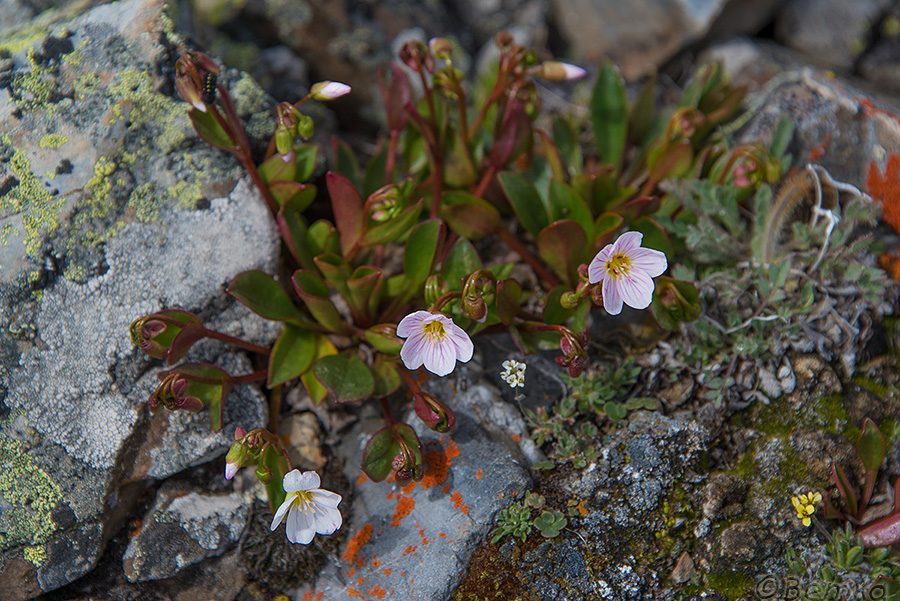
<point x="638" y="36"/>
<point x="112" y="209"/>
<point x="182" y="528"/>
<point x="473" y="473"/>
<point x="831" y="33"/>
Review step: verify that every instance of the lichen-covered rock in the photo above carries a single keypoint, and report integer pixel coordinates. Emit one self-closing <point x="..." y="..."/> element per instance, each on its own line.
<point x="416" y="541"/>
<point x="111" y="208"/>
<point x="182" y="528"/>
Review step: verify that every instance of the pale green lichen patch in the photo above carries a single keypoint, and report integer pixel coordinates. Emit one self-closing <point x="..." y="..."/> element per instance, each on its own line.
<point x="36" y="555"/>
<point x="30" y="495"/>
<point x="33" y="88"/>
<point x="39" y="209"/>
<point x="135" y="93"/>
<point x="52" y="141"/>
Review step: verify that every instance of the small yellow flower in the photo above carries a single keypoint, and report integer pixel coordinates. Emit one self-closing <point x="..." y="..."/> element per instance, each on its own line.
<point x="805" y="505"/>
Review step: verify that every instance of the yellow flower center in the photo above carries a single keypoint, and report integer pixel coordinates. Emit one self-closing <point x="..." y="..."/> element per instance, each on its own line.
<point x="434" y="330"/>
<point x="618" y="265"/>
<point x="303" y="500"/>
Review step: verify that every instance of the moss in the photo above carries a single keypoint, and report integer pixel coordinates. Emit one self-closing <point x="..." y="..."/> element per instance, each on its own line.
<point x="31" y="495"/>
<point x="778" y="418"/>
<point x="730" y="584"/>
<point x="53" y="141"/>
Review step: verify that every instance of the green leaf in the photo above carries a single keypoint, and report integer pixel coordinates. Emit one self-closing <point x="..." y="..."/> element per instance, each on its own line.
<point x="209" y="128"/>
<point x="364" y="287"/>
<point x="605" y="228"/>
<point x="300" y="195"/>
<point x="675" y="301"/>
<point x="567" y="143"/>
<point x="781" y="138"/>
<point x="292" y="355"/>
<point x="509" y="295"/>
<point x="554" y="312"/>
<point x="347" y="203"/>
<point x="871" y="448"/>
<point x="459" y="168"/>
<point x="609" y="115"/>
<point x="387" y="380"/>
<point x="844" y="488"/>
<point x="565" y="203"/>
<point x="294" y="231"/>
<point x="314" y="293"/>
<point x="345" y="162"/>
<point x="383" y="447"/>
<point x="273" y="465"/>
<point x="550" y="523"/>
<point x="525" y="201"/>
<point x="314" y="388"/>
<point x="469" y="216"/>
<point x="420" y="252"/>
<point x="193" y="331"/>
<point x="335" y="270"/>
<point x="373" y="179"/>
<point x="276" y="169"/>
<point x="307" y="154"/>
<point x="394" y="229"/>
<point x="323" y="238"/>
<point x="615" y="411"/>
<point x="345" y="376"/>
<point x="260" y="293"/>
<point x="562" y="245"/>
<point x="644" y="112"/>
<point x="461" y="262"/>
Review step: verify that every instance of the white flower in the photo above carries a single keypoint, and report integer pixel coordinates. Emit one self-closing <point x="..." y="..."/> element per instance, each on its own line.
<point x="514" y="373"/>
<point x="433" y="340"/>
<point x="309" y="508"/>
<point x="230" y="470"/>
<point x="626" y="270"/>
<point x="329" y="90"/>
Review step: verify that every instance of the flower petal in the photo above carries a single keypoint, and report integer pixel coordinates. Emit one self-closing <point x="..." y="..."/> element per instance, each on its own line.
<point x="628" y="241"/>
<point x="597" y="268"/>
<point x="327" y="520"/>
<point x="462" y="342"/>
<point x="411" y="322"/>
<point x="295" y="481"/>
<point x="440" y="358"/>
<point x="300" y="527"/>
<point x="636" y="289"/>
<point x="279" y="515"/>
<point x="650" y="261"/>
<point x="413" y="350"/>
<point x="325" y="497"/>
<point x="612" y="299"/>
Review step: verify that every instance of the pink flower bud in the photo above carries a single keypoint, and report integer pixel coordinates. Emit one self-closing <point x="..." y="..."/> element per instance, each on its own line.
<point x="329" y="90"/>
<point x="230" y="470"/>
<point x="558" y="71"/>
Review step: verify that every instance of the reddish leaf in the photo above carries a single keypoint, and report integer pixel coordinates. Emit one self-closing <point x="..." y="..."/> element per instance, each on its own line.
<point x="347" y="203"/>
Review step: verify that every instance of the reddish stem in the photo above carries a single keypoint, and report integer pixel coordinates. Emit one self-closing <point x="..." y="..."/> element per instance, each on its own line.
<point x="485" y="182"/>
<point x="255" y="348"/>
<point x="510" y="240"/>
<point x="251" y="377"/>
<point x="391" y="160"/>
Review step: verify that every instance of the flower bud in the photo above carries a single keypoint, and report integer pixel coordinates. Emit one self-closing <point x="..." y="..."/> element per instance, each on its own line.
<point x="576" y="366"/>
<point x="328" y="90"/>
<point x="384" y="338"/>
<point x="435" y="287"/>
<point x="597" y="295"/>
<point x="192" y="72"/>
<point x="435" y="414"/>
<point x="172" y="394"/>
<point x="441" y="47"/>
<point x="305" y="126"/>
<point x="568" y="300"/>
<point x="559" y="71"/>
<point x="474" y="307"/>
<point x="404" y="465"/>
<point x="263" y="473"/>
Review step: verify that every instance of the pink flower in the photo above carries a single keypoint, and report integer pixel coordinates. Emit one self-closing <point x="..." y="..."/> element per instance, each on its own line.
<point x="329" y="90"/>
<point x="434" y="340"/>
<point x="309" y="509"/>
<point x="626" y="270"/>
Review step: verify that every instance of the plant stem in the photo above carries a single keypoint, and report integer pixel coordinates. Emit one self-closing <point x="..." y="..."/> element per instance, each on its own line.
<point x="391" y="160"/>
<point x="254" y="348"/>
<point x="251" y="377"/>
<point x="386" y="410"/>
<point x="275" y="397"/>
<point x="510" y="240"/>
<point x="485" y="182"/>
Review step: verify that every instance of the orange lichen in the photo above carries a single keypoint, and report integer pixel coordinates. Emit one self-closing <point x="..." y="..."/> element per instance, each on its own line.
<point x="360" y="580"/>
<point x="442" y="535"/>
<point x="357" y="541"/>
<point x="387" y="571"/>
<point x="403" y="508"/>
<point x="819" y="151"/>
<point x="351" y="572"/>
<point x="445" y="488"/>
<point x="390" y="496"/>
<point x="456" y="498"/>
<point x="582" y="510"/>
<point x="313" y="596"/>
<point x="886" y="188"/>
<point x="478" y="474"/>
<point x="377" y="592"/>
<point x="410" y="549"/>
<point x="891" y="264"/>
<point x="375" y="562"/>
<point x="353" y="593"/>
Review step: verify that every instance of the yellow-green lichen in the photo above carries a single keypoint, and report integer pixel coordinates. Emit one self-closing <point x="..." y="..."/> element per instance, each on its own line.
<point x="53" y="141"/>
<point x="186" y="193"/>
<point x="134" y="91"/>
<point x="100" y="185"/>
<point x="36" y="555"/>
<point x="74" y="273"/>
<point x="39" y="210"/>
<point x="146" y="202"/>
<point x="34" y="87"/>
<point x="75" y="58"/>
<point x="30" y="495"/>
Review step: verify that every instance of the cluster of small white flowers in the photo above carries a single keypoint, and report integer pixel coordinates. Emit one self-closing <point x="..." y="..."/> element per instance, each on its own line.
<point x="514" y="373"/>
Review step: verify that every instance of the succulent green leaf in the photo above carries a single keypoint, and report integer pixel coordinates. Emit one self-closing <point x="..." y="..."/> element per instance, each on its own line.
<point x="299" y="195"/>
<point x="509" y="296"/>
<point x="562" y="245"/>
<point x="420" y="252"/>
<point x="294" y="231"/>
<point x="209" y="128"/>
<point x="273" y="464"/>
<point x="609" y="115"/>
<point x="675" y="301"/>
<point x="277" y="169"/>
<point x="345" y="376"/>
<point x="387" y="380"/>
<point x="844" y="488"/>
<point x="567" y="143"/>
<point x="643" y="112"/>
<point x="394" y="229"/>
<point x="461" y="261"/>
<point x="565" y="203"/>
<point x="314" y="293"/>
<point x="314" y="388"/>
<point x="264" y="296"/>
<point x="345" y="162"/>
<point x="323" y="238"/>
<point x="347" y="203"/>
<point x="871" y="448"/>
<point x="525" y="202"/>
<point x="292" y="355"/>
<point x="383" y="447"/>
<point x="307" y="155"/>
<point x="469" y="216"/>
<point x="364" y="287"/>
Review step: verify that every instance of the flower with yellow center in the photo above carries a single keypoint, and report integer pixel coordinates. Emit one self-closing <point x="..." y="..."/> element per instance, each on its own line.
<point x="309" y="509"/>
<point x="805" y="505"/>
<point x="626" y="271"/>
<point x="433" y="340"/>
